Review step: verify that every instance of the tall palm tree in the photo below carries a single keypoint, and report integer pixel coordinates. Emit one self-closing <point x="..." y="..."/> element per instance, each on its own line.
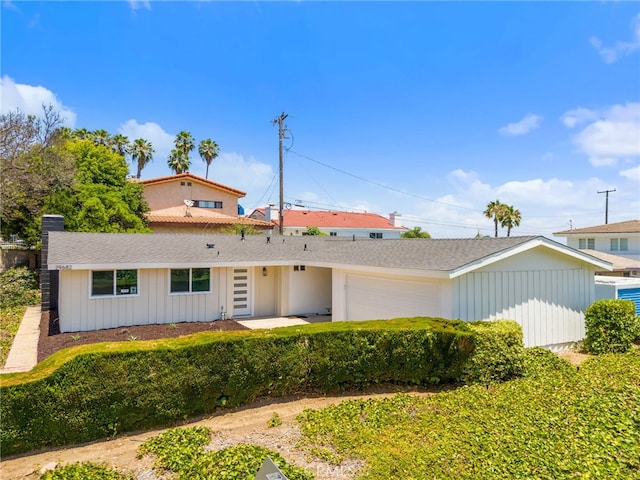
<point x="184" y="143"/>
<point x="101" y="137"/>
<point x="494" y="210"/>
<point x="119" y="143"/>
<point x="81" y="133"/>
<point x="141" y="152"/>
<point x="208" y="150"/>
<point x="178" y="162"/>
<point x="510" y="218"/>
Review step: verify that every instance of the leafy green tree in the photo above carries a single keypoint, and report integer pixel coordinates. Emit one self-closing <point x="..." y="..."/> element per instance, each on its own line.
<point x="208" y="150"/>
<point x="142" y="153"/>
<point x="34" y="164"/>
<point x="495" y="210"/>
<point x="415" y="232"/>
<point x="511" y="218"/>
<point x="238" y="228"/>
<point x="178" y="162"/>
<point x="101" y="199"/>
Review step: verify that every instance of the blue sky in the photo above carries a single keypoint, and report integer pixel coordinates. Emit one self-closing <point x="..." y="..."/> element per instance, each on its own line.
<point x="430" y="109"/>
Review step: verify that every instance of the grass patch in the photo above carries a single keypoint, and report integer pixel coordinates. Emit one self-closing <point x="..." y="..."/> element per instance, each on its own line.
<point x="558" y="422"/>
<point x="10" y="318"/>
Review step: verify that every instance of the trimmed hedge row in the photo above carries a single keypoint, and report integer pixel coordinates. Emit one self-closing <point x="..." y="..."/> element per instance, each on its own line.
<point x="96" y="391"/>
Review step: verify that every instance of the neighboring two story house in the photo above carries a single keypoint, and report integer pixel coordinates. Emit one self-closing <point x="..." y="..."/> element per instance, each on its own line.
<point x="334" y="224"/>
<point x="187" y="203"/>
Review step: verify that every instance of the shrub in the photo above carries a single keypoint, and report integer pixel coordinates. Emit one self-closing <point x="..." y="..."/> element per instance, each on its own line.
<point x="19" y="287"/>
<point x="611" y="326"/>
<point x="95" y="391"/>
<point x="498" y="354"/>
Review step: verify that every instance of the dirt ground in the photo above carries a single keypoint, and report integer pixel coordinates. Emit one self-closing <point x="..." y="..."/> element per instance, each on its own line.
<point x="240" y="425"/>
<point x="51" y="341"/>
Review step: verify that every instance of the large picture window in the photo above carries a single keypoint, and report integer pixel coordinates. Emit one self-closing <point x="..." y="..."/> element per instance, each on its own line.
<point x="190" y="280"/>
<point x="114" y="282"/>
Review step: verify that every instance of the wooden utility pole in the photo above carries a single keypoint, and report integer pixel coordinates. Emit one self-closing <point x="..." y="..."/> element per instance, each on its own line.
<point x="606" y="205"/>
<point x="279" y="121"/>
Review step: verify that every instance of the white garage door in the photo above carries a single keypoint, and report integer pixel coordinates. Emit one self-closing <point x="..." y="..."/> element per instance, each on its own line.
<point x="372" y="298"/>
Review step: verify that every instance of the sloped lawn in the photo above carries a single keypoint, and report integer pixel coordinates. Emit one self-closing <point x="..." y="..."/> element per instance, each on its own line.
<point x="559" y="422"/>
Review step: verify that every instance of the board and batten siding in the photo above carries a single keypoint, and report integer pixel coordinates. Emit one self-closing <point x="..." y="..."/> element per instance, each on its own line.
<point x="545" y="294"/>
<point x="78" y="311"/>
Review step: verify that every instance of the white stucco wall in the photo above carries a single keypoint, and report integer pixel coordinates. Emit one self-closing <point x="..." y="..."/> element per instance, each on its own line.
<point x="308" y="291"/>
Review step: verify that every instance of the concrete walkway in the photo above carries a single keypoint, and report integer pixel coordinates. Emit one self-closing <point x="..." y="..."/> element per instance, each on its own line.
<point x="275" y="322"/>
<point x="23" y="355"/>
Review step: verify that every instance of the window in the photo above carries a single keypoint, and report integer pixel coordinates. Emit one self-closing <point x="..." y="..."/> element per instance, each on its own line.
<point x="375" y="235"/>
<point x="619" y="244"/>
<point x="114" y="282"/>
<point x="190" y="280"/>
<point x="207" y="204"/>
<point x="589" y="243"/>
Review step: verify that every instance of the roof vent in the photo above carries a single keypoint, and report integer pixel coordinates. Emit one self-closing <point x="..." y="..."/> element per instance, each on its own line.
<point x="211" y="245"/>
<point x="305" y="247"/>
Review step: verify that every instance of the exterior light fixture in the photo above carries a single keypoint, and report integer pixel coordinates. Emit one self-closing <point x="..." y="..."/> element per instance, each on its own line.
<point x="265" y="272"/>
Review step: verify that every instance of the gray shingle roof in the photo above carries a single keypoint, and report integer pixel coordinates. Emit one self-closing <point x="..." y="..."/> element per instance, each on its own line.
<point x="629" y="226"/>
<point x="93" y="250"/>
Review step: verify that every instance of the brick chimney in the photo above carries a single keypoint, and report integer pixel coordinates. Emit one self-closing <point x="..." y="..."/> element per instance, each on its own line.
<point x="49" y="278"/>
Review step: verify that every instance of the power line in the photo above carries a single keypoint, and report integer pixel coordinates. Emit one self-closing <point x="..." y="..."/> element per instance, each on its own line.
<point x="377" y="184"/>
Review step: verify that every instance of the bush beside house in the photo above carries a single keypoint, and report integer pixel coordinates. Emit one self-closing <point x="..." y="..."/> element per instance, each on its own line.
<point x="95" y="391"/>
<point x="611" y="326"/>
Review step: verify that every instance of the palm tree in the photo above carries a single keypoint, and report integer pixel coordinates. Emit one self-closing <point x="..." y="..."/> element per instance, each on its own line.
<point x="415" y="232"/>
<point x="119" y="143"/>
<point x="101" y="137"/>
<point x="184" y="143"/>
<point x="510" y="218"/>
<point x="141" y="152"/>
<point x="178" y="162"/>
<point x="208" y="150"/>
<point x="81" y="133"/>
<point x="494" y="210"/>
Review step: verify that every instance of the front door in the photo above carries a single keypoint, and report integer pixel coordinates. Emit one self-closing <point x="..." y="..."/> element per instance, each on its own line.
<point x="241" y="292"/>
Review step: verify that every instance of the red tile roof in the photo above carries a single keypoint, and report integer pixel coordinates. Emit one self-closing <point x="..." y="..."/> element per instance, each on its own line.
<point x="194" y="178"/>
<point x="630" y="226"/>
<point x="199" y="216"/>
<point x="329" y="219"/>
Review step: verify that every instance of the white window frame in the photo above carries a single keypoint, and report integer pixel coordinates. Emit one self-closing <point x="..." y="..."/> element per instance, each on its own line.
<point x="190" y="292"/>
<point x="114" y="293"/>
<point x="586" y="243"/>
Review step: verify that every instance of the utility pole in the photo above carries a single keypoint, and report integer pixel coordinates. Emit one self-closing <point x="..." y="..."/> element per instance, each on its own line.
<point x="279" y="121"/>
<point x="606" y="207"/>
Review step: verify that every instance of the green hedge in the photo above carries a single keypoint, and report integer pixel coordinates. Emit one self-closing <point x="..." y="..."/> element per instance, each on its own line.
<point x="611" y="326"/>
<point x="95" y="391"/>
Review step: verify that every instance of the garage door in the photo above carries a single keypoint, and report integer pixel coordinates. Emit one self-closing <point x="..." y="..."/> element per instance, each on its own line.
<point x="370" y="298"/>
<point x="632" y="294"/>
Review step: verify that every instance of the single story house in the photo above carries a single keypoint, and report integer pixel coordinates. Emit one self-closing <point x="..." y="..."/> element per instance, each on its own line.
<point x="102" y="280"/>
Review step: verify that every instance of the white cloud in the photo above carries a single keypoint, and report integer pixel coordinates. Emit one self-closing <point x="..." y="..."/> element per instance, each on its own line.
<point x="632" y="173"/>
<point x="620" y="49"/>
<point x="577" y="116"/>
<point x="231" y="168"/>
<point x="30" y="99"/>
<point x="524" y="126"/>
<point x="138" y="4"/>
<point x="614" y="134"/>
<point x="162" y="141"/>
<point x="10" y="5"/>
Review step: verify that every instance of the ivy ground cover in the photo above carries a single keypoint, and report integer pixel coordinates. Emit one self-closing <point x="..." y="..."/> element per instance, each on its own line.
<point x="559" y="422"/>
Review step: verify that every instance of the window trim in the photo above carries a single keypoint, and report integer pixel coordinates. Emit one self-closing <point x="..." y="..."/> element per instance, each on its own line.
<point x="114" y="280"/>
<point x="190" y="291"/>
<point x="217" y="204"/>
